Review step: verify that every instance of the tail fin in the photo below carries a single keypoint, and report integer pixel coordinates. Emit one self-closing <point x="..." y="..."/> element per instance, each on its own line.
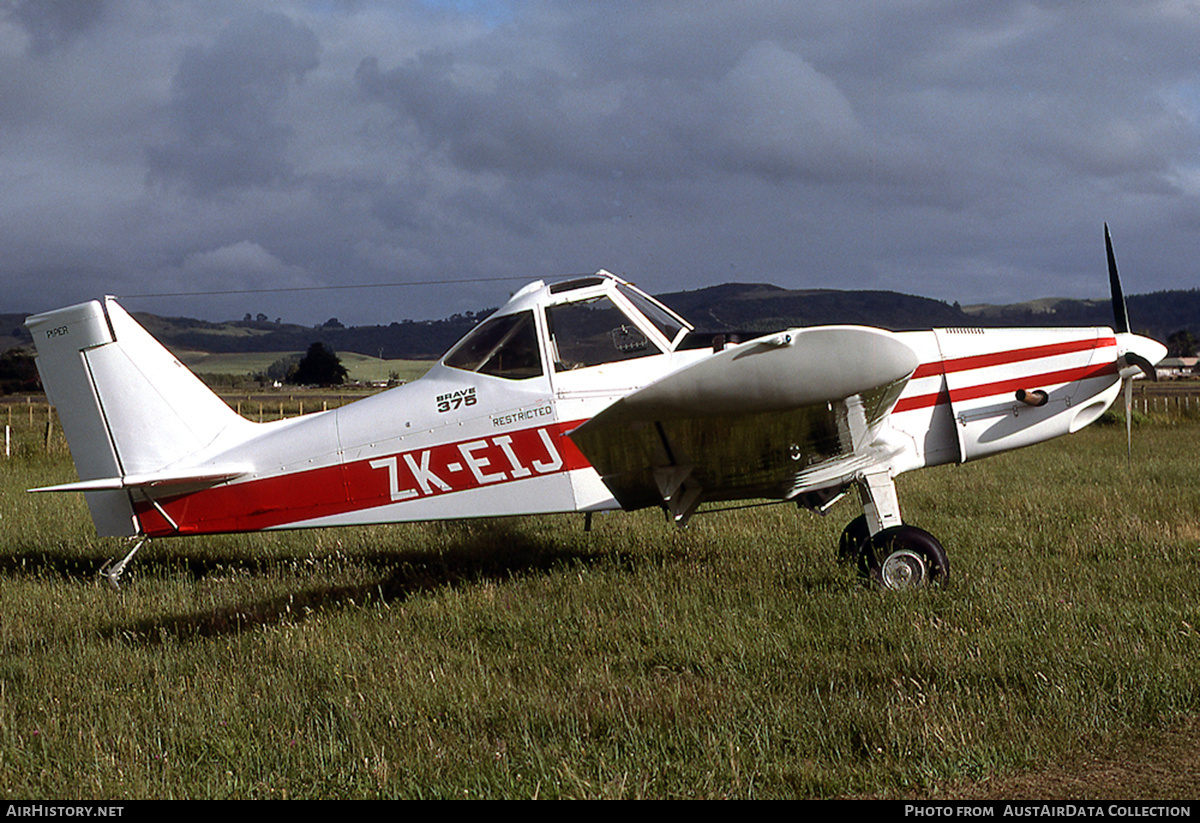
<point x="127" y="406"/>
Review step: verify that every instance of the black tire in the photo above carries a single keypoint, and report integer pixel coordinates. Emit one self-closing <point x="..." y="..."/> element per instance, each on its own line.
<point x="854" y="540"/>
<point x="905" y="557"/>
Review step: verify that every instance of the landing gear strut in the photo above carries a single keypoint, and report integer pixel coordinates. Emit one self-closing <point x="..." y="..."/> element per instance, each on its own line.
<point x="890" y="554"/>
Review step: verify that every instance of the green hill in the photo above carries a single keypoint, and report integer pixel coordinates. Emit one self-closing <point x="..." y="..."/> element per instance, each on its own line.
<point x="748" y="307"/>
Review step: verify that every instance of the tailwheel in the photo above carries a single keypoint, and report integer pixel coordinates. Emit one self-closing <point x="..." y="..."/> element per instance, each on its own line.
<point x="112" y="571"/>
<point x="904" y="557"/>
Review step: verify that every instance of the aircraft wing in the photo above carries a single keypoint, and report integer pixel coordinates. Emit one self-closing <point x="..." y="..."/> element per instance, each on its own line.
<point x="770" y="418"/>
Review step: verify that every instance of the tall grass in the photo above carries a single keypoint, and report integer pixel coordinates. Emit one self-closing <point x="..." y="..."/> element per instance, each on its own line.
<point x="529" y="658"/>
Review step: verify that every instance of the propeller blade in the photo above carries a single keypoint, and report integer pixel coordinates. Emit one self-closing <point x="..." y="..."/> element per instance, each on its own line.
<point x="1129" y="419"/>
<point x="1120" y="312"/>
<point x="1135" y="352"/>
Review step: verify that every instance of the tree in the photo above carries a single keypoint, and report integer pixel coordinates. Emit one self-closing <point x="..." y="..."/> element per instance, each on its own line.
<point x="1181" y="344"/>
<point x="319" y="366"/>
<point x="18" y="372"/>
<point x="283" y="368"/>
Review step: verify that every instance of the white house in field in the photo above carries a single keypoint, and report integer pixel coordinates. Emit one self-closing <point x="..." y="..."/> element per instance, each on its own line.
<point x="1175" y="367"/>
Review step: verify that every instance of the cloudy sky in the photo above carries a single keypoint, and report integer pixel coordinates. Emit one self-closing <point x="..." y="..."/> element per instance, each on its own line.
<point x="967" y="151"/>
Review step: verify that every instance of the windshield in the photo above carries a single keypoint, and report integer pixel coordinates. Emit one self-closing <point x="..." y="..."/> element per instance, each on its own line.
<point x="503" y="346"/>
<point x="662" y="319"/>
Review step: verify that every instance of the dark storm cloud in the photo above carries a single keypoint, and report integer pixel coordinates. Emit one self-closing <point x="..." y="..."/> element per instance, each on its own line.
<point x="54" y="24"/>
<point x="223" y="114"/>
<point x="968" y="151"/>
<point x="771" y="112"/>
<point x="515" y="126"/>
<point x="523" y="122"/>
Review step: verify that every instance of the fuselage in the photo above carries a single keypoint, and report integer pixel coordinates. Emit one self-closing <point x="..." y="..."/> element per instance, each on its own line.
<point x="486" y="431"/>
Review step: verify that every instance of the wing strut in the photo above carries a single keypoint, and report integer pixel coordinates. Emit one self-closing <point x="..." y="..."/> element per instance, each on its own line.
<point x="680" y="492"/>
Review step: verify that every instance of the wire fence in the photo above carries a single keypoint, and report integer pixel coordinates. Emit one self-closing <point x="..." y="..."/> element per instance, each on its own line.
<point x="31" y="424"/>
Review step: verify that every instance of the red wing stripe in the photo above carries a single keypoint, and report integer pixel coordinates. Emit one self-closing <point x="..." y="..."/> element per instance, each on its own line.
<point x="1005" y="386"/>
<point x="980" y="361"/>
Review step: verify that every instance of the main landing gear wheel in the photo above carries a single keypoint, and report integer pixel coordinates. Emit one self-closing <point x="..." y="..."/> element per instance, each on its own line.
<point x="904" y="557"/>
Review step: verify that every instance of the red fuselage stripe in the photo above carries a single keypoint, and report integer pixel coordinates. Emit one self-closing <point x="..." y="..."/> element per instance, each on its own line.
<point x="980" y="361"/>
<point x="1001" y="387"/>
<point x="444" y="468"/>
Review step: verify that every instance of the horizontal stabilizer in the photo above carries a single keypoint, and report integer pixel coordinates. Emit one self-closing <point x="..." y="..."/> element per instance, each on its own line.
<point x="191" y="477"/>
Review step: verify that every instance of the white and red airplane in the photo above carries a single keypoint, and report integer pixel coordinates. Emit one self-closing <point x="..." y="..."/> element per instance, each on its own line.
<point x="579" y="396"/>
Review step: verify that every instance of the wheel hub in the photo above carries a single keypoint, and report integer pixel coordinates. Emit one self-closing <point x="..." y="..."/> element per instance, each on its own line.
<point x="904" y="569"/>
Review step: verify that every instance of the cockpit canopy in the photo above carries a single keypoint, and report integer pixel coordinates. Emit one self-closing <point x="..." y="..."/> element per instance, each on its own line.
<point x="589" y="321"/>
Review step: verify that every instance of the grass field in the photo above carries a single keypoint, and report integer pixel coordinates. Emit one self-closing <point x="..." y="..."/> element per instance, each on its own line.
<point x="360" y="367"/>
<point x="528" y="658"/>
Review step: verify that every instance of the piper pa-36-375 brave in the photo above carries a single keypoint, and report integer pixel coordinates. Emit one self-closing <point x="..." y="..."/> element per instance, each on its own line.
<point x="579" y="396"/>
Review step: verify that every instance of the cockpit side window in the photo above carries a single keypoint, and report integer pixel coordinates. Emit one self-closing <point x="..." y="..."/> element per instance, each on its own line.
<point x="503" y="346"/>
<point x="591" y="332"/>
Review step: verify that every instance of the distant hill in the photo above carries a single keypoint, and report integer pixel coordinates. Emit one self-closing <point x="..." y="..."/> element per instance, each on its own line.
<point x="757" y="307"/>
<point x="763" y="307"/>
<point x="1158" y="313"/>
<point x="410" y="340"/>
